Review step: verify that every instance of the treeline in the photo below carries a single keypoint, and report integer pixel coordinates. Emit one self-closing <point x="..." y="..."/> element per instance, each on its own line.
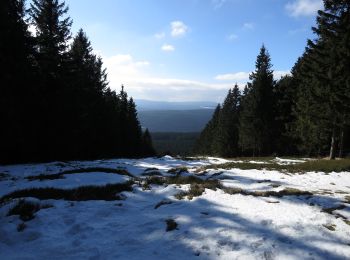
<point x="306" y="113"/>
<point x="55" y="103"/>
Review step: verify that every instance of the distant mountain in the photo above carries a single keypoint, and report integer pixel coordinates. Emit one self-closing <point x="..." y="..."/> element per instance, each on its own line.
<point x="175" y="120"/>
<point x="146" y="105"/>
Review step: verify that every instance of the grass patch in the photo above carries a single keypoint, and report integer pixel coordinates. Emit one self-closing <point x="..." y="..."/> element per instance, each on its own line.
<point x="170" y="225"/>
<point x="160" y="180"/>
<point x="178" y="170"/>
<point x="281" y="193"/>
<point x="330" y="227"/>
<point x="60" y="175"/>
<point x="26" y="209"/>
<point x="330" y="210"/>
<point x="347" y="221"/>
<point x="152" y="173"/>
<point x="308" y="166"/>
<point x="151" y="169"/>
<point x="163" y="202"/>
<point x="4" y="176"/>
<point x="152" y="180"/>
<point x="197" y="189"/>
<point x="21" y="227"/>
<point x="197" y="185"/>
<point x="43" y="177"/>
<point x="108" y="192"/>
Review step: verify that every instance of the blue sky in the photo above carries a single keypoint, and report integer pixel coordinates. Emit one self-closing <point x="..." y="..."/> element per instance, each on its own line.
<point x="186" y="50"/>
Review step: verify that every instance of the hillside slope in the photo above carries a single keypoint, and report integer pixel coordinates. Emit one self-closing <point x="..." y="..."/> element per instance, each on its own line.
<point x="114" y="209"/>
<point x="175" y="120"/>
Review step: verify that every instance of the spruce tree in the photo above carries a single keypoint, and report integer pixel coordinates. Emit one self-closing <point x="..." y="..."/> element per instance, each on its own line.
<point x="257" y="115"/>
<point x="285" y="95"/>
<point x="225" y="140"/>
<point x="204" y="144"/>
<point x="52" y="35"/>
<point x="134" y="131"/>
<point x="309" y="125"/>
<point x="324" y="107"/>
<point x="147" y="145"/>
<point x="87" y="84"/>
<point x="17" y="131"/>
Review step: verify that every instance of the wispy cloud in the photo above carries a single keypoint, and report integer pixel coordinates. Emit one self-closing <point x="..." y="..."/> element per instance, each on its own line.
<point x="124" y="66"/>
<point x="280" y="73"/>
<point x="168" y="47"/>
<point x="238" y="76"/>
<point x="178" y="29"/>
<point x="232" y="37"/>
<point x="303" y="7"/>
<point x="248" y="26"/>
<point x="140" y="83"/>
<point x="135" y="76"/>
<point x="160" y="35"/>
<point x="218" y="3"/>
<point x="243" y="76"/>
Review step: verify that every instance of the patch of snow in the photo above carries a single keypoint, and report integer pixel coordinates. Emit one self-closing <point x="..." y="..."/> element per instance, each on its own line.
<point x="215" y="225"/>
<point x="288" y="161"/>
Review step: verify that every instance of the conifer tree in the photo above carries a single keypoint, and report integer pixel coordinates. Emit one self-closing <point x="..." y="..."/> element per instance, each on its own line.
<point x="87" y="84"/>
<point x="55" y="103"/>
<point x="225" y="140"/>
<point x="325" y="75"/>
<point x="204" y="144"/>
<point x="285" y="95"/>
<point x="257" y="115"/>
<point x="133" y="128"/>
<point x="147" y="145"/>
<point x="17" y="83"/>
<point x="51" y="39"/>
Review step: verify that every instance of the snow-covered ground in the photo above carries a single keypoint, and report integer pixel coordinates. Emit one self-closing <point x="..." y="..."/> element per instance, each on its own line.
<point x="215" y="225"/>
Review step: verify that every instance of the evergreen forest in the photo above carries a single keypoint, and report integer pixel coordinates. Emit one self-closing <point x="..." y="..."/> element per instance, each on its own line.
<point x="304" y="113"/>
<point x="55" y="102"/>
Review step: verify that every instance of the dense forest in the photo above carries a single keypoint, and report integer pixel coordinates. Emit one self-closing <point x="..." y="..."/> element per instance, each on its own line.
<point x="55" y="103"/>
<point x="305" y="113"/>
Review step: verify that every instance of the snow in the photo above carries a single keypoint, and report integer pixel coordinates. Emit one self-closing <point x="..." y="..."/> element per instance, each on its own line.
<point x="215" y="225"/>
<point x="287" y="161"/>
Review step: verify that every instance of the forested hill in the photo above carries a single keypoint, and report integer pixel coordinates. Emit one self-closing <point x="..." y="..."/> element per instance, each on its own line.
<point x="151" y="105"/>
<point x="175" y="120"/>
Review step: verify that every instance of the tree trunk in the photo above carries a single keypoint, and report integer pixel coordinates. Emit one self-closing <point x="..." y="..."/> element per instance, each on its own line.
<point x="341" y="143"/>
<point x="332" y="151"/>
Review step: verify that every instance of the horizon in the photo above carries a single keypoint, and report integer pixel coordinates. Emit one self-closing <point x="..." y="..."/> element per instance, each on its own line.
<point x="194" y="50"/>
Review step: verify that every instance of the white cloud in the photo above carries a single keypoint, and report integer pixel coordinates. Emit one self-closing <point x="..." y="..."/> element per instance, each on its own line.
<point x="248" y="26"/>
<point x="159" y="35"/>
<point x="168" y="48"/>
<point x="280" y="73"/>
<point x="170" y="89"/>
<point x="134" y="75"/>
<point x="238" y="76"/>
<point x="243" y="77"/>
<point x="178" y="29"/>
<point x="218" y="3"/>
<point x="304" y="7"/>
<point x="123" y="66"/>
<point x="232" y="37"/>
